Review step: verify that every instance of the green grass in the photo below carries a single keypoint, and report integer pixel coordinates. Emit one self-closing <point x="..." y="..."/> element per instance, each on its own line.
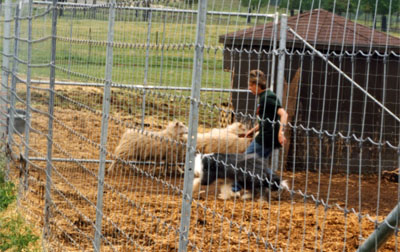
<point x="15" y="234"/>
<point x="7" y="192"/>
<point x="172" y="66"/>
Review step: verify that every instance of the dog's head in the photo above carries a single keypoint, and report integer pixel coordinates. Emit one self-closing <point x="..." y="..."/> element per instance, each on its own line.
<point x="198" y="165"/>
<point x="204" y="161"/>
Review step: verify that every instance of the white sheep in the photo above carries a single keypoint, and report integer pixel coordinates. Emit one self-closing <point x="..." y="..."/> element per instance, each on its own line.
<point x="152" y="145"/>
<point x="225" y="140"/>
<point x="236" y="128"/>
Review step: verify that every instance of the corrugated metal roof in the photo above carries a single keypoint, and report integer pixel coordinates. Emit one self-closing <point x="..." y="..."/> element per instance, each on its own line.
<point x="320" y="28"/>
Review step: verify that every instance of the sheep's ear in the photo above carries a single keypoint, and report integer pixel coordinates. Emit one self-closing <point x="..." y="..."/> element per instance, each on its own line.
<point x="176" y="124"/>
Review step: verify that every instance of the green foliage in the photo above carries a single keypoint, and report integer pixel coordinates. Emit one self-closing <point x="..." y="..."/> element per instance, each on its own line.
<point x="306" y="5"/>
<point x="254" y="4"/>
<point x="14" y="236"/>
<point x="383" y="7"/>
<point x="339" y="6"/>
<point x="7" y="193"/>
<point x="192" y="1"/>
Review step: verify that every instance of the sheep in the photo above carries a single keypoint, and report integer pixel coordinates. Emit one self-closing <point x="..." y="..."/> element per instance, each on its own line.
<point x="154" y="146"/>
<point x="231" y="143"/>
<point x="224" y="140"/>
<point x="236" y="128"/>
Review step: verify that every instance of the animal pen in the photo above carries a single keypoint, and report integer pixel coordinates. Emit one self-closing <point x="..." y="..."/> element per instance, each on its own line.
<point x="78" y="77"/>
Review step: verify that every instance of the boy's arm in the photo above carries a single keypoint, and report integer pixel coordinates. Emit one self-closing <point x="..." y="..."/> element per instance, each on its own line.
<point x="283" y="115"/>
<point x="251" y="132"/>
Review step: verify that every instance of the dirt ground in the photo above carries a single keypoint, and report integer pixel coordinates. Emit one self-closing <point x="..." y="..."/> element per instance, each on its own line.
<point x="142" y="213"/>
<point x="142" y="204"/>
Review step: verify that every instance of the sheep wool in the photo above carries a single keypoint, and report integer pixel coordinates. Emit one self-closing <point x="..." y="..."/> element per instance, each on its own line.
<point x="225" y="140"/>
<point x="165" y="145"/>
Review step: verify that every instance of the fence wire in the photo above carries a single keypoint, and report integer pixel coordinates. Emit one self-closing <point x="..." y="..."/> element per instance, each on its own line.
<point x="107" y="107"/>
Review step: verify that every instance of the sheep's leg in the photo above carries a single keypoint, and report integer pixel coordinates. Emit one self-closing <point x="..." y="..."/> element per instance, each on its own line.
<point x="180" y="170"/>
<point x="111" y="168"/>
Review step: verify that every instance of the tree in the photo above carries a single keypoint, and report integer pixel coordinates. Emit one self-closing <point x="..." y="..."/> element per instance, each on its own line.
<point x="340" y="6"/>
<point x="384" y="8"/>
<point x="254" y="3"/>
<point x="191" y="2"/>
<point x="306" y="5"/>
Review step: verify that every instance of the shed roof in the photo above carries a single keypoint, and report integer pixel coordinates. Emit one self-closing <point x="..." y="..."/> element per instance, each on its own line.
<point x="319" y="27"/>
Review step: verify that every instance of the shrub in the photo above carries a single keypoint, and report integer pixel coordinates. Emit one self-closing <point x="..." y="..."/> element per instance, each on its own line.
<point x="7" y="192"/>
<point x="14" y="234"/>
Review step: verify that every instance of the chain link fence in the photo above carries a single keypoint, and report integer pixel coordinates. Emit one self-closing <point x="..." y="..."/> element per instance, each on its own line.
<point x="105" y="107"/>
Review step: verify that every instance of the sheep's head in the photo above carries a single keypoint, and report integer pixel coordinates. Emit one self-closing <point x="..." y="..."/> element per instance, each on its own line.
<point x="237" y="128"/>
<point x="178" y="128"/>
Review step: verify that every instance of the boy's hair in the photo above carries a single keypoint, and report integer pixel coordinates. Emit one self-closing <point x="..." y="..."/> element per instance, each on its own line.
<point x="258" y="77"/>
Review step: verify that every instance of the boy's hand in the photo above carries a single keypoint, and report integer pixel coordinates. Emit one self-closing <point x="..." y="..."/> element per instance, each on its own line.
<point x="249" y="134"/>
<point x="282" y="138"/>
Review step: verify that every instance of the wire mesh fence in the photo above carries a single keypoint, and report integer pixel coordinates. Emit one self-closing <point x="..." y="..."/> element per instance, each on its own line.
<point x="126" y="123"/>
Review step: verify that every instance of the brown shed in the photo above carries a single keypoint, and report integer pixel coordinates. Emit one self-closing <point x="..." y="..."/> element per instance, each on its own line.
<point x="333" y="120"/>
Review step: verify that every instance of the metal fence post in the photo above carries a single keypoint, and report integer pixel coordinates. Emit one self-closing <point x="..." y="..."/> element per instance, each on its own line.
<point x="13" y="74"/>
<point x="13" y="86"/>
<point x="46" y="229"/>
<point x="280" y="74"/>
<point x="273" y="63"/>
<point x="104" y="127"/>
<point x="383" y="232"/>
<point x="275" y="153"/>
<point x="282" y="56"/>
<point x="5" y="66"/>
<point x="146" y="68"/>
<point x="4" y="100"/>
<point x="28" y="95"/>
<point x="193" y="124"/>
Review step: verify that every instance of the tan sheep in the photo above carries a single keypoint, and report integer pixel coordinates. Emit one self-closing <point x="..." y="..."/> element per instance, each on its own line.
<point x="225" y="140"/>
<point x="230" y="143"/>
<point x="236" y="128"/>
<point x="156" y="146"/>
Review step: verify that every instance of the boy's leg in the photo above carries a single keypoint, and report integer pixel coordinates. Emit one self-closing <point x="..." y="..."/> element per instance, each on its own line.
<point x="262" y="151"/>
<point x="250" y="150"/>
<point x="266" y="153"/>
